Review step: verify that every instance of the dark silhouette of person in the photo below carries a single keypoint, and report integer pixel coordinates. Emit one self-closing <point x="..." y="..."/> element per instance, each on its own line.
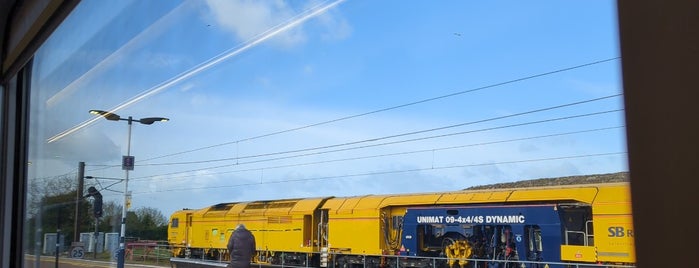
<point x="241" y="247"/>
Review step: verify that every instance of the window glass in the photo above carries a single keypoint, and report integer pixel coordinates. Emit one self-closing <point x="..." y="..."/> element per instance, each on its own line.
<point x="2" y="115"/>
<point x="272" y="100"/>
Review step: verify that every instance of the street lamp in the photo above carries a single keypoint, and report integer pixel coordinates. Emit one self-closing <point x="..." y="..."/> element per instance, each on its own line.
<point x="127" y="164"/>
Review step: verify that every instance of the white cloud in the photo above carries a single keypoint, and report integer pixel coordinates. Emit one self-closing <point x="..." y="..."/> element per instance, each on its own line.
<point x="337" y="27"/>
<point x="248" y="19"/>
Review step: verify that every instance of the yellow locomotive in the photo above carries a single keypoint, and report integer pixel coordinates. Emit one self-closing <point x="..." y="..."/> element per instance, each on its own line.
<point x="518" y="227"/>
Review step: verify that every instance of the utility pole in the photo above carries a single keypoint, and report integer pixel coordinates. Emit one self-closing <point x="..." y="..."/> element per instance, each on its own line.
<point x="78" y="197"/>
<point x="58" y="235"/>
<point x="94" y="244"/>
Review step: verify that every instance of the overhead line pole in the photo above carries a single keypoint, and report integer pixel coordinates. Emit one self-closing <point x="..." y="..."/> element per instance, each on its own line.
<point x="78" y="196"/>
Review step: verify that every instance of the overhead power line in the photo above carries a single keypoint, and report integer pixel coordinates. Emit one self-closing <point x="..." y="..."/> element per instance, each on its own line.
<point x="384" y="137"/>
<point x="385" y="155"/>
<point x="394" y="142"/>
<point x="382" y="173"/>
<point x="390" y="108"/>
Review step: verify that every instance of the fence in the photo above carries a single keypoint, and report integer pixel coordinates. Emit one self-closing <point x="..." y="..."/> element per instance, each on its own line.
<point x="148" y="252"/>
<point x="159" y="253"/>
<point x="401" y="262"/>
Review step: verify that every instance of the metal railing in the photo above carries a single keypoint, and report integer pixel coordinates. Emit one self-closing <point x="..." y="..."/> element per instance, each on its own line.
<point x="397" y="261"/>
<point x="151" y="252"/>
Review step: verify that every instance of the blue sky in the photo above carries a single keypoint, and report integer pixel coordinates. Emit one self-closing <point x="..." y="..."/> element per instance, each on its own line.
<point x="229" y="73"/>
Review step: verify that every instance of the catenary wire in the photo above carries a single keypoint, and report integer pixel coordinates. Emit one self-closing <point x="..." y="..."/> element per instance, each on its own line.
<point x="395" y="142"/>
<point x="384" y="172"/>
<point x="385" y="137"/>
<point x="362" y="141"/>
<point x="390" y="154"/>
<point x="390" y="108"/>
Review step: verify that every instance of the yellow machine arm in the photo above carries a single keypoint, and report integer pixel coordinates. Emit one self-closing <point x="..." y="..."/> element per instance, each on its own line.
<point x="458" y="250"/>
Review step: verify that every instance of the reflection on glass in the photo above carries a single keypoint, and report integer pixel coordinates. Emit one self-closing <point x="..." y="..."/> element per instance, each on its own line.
<point x="288" y="99"/>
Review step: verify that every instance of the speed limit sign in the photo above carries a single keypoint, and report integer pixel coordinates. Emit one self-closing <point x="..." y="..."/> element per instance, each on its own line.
<point x="77" y="253"/>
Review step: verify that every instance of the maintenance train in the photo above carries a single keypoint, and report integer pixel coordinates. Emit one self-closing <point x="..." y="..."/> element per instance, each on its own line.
<point x="517" y="227"/>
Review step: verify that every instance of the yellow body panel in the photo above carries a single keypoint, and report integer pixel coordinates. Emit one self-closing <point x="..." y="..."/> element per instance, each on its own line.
<point x="350" y="218"/>
<point x="237" y="209"/>
<point x="177" y="230"/>
<point x="307" y="206"/>
<point x="370" y="202"/>
<point x="578" y="253"/>
<point x="613" y="224"/>
<point x="350" y="234"/>
<point x="474" y="197"/>
<point x="347" y="207"/>
<point x="614" y="238"/>
<point x="409" y="200"/>
<point x="585" y="195"/>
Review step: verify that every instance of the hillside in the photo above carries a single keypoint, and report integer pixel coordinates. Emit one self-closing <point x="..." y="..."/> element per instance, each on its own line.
<point x="584" y="179"/>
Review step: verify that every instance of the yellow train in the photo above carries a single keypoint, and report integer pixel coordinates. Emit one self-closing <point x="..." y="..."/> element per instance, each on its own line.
<point x="518" y="227"/>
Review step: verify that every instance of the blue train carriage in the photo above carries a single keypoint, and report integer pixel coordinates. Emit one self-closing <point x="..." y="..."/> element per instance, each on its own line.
<point x="484" y="236"/>
<point x="589" y="224"/>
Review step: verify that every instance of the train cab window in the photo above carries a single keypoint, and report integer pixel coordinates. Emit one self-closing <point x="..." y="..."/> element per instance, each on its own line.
<point x="576" y="221"/>
<point x="175" y="222"/>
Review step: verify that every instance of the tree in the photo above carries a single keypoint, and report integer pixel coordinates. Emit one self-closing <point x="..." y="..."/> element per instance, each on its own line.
<point x="40" y="188"/>
<point x="111" y="218"/>
<point x="151" y="215"/>
<point x="58" y="211"/>
<point x="146" y="223"/>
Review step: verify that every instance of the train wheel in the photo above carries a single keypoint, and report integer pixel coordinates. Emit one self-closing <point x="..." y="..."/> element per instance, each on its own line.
<point x="275" y="259"/>
<point x="215" y="254"/>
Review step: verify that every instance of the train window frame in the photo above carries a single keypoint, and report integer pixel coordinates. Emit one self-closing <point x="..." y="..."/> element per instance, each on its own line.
<point x="643" y="181"/>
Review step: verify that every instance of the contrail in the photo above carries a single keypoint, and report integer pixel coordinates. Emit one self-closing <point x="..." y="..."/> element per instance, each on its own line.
<point x="293" y="22"/>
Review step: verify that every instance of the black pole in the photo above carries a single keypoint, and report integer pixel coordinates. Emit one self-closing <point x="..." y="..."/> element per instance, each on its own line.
<point x="58" y="234"/>
<point x="94" y="244"/>
<point x="58" y="238"/>
<point x="38" y="236"/>
<point x="78" y="196"/>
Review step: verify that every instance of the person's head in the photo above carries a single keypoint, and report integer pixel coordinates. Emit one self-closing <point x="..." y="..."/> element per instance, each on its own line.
<point x="240" y="226"/>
